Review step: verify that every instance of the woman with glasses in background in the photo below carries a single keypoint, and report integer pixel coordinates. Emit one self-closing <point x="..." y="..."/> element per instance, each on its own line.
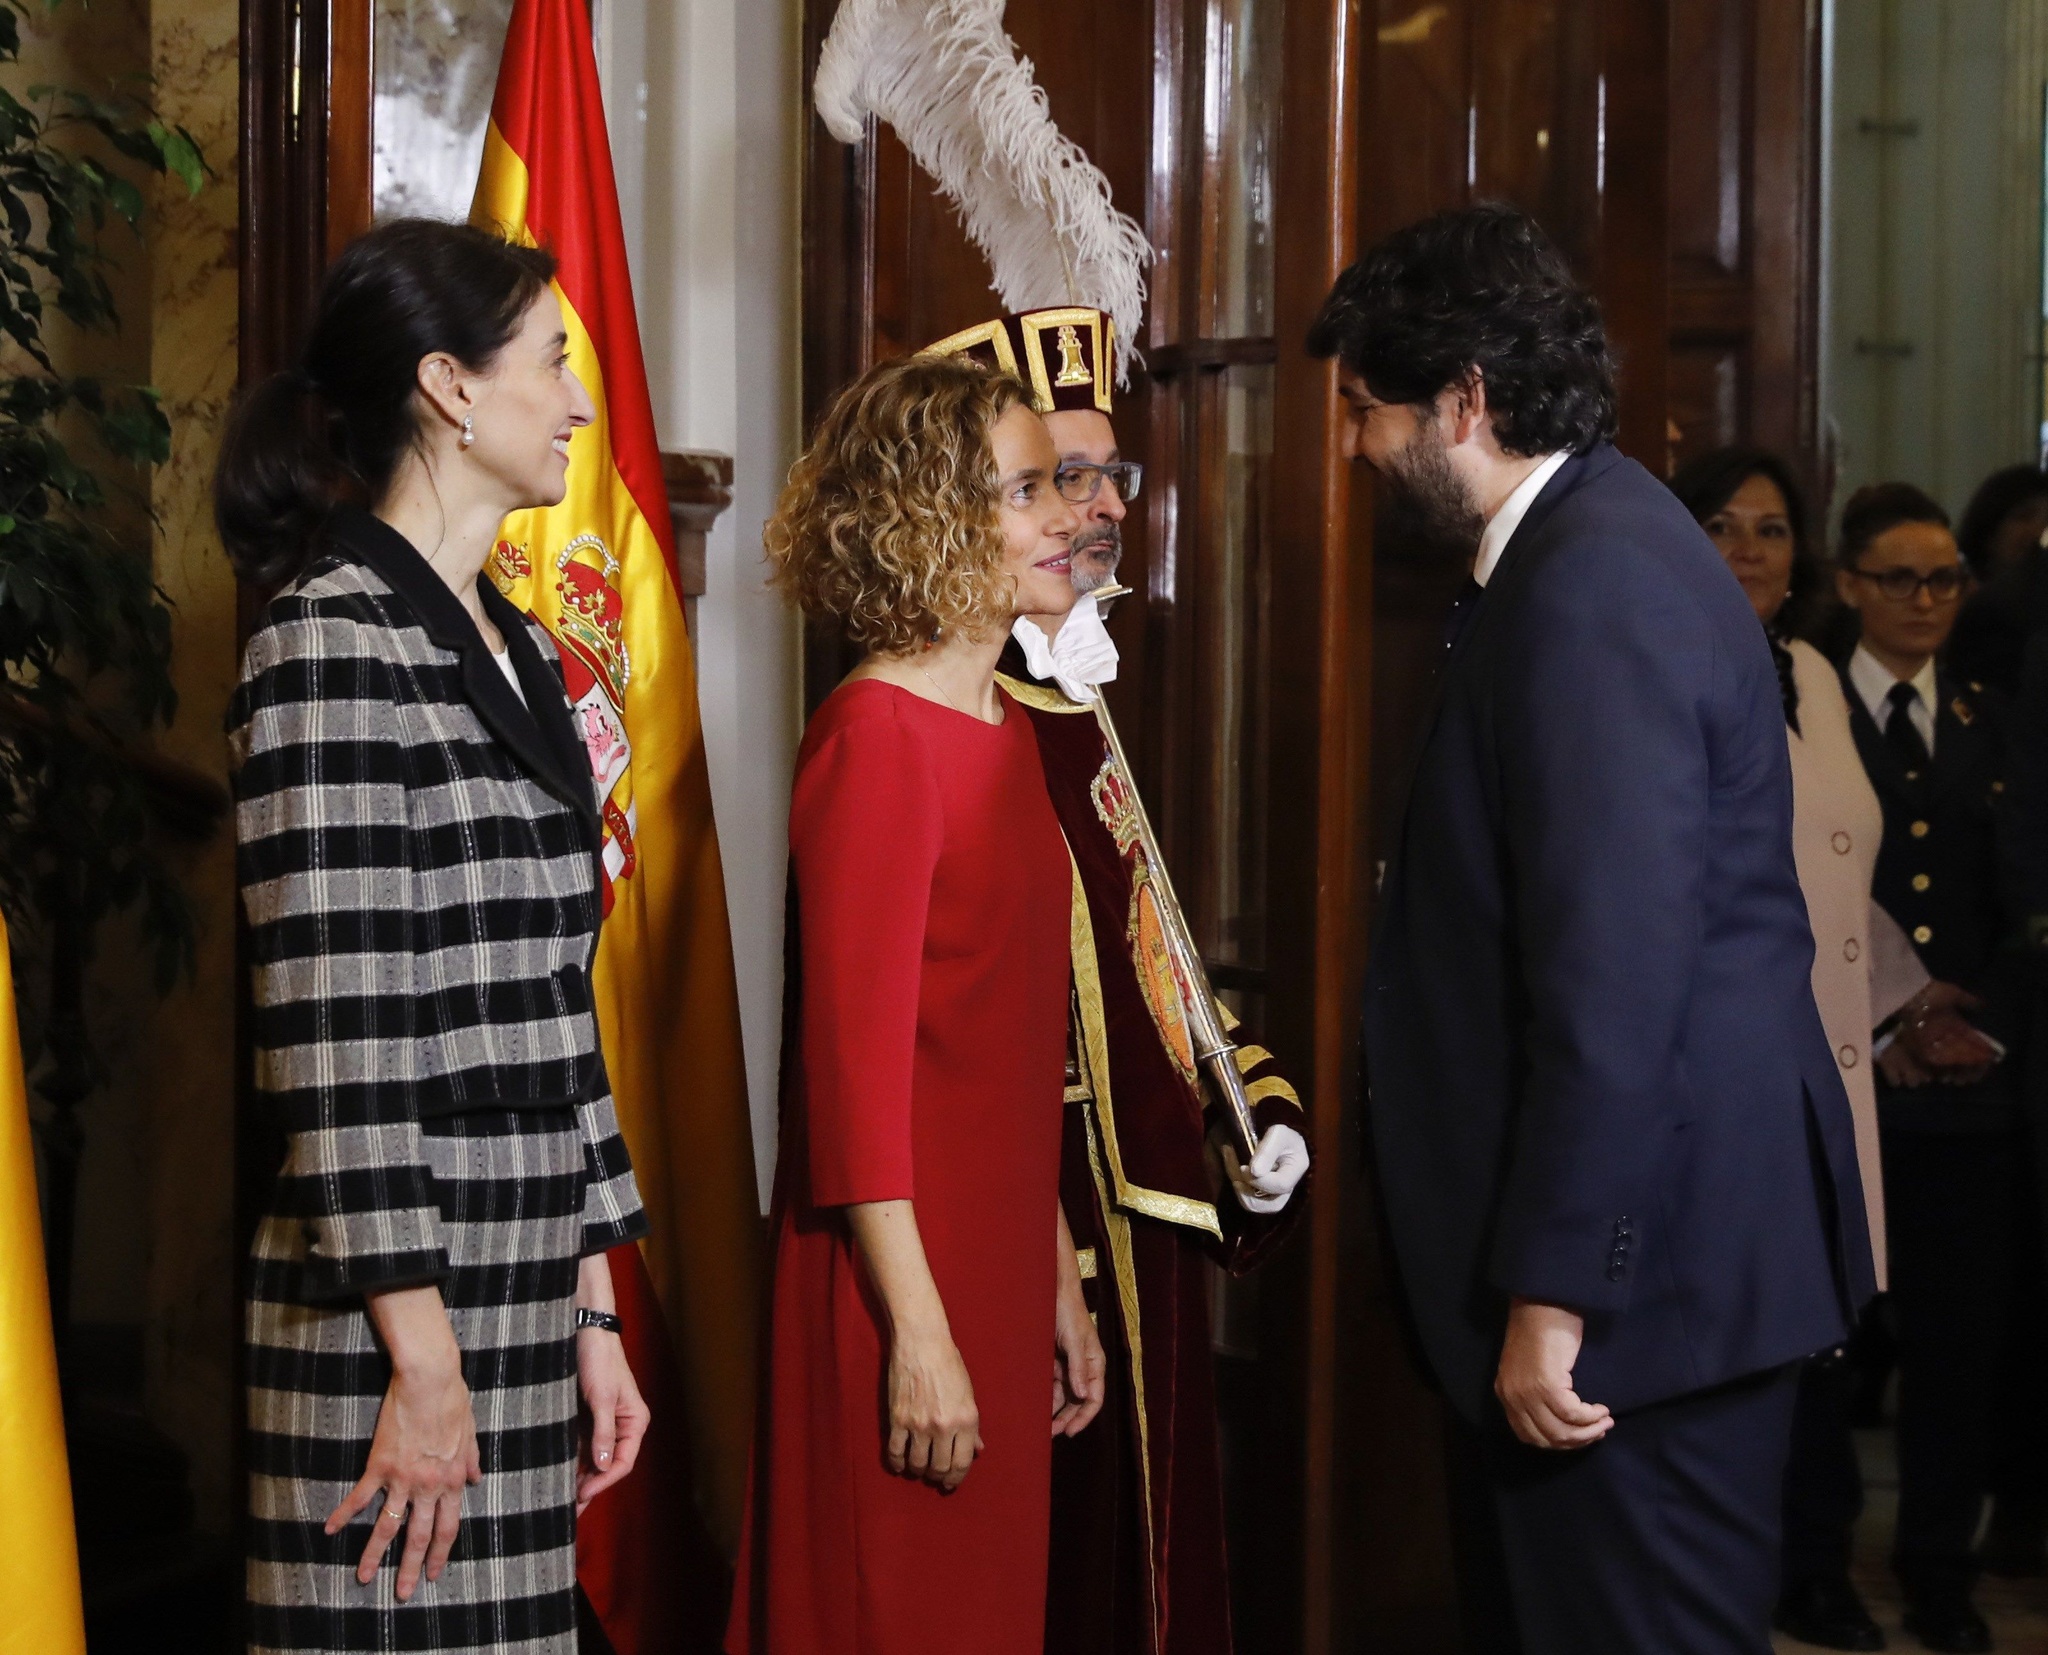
<point x="1954" y="1165"/>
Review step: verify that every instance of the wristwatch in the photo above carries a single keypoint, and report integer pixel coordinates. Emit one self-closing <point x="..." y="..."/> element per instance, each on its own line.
<point x="599" y="1318"/>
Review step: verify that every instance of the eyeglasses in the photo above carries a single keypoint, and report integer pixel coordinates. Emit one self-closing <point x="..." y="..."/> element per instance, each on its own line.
<point x="1078" y="484"/>
<point x="1903" y="586"/>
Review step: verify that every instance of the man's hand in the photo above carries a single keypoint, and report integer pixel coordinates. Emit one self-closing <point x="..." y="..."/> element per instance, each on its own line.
<point x="1534" y="1383"/>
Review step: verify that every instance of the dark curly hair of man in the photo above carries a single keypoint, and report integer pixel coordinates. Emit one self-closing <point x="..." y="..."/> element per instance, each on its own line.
<point x="1476" y="288"/>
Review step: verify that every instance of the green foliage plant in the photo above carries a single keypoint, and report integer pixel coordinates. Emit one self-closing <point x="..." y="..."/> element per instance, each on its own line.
<point x="85" y="631"/>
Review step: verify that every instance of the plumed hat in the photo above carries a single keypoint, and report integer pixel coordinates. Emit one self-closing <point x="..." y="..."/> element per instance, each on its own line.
<point x="1067" y="263"/>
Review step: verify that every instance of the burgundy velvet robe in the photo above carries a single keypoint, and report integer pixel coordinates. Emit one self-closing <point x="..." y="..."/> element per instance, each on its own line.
<point x="1137" y="1564"/>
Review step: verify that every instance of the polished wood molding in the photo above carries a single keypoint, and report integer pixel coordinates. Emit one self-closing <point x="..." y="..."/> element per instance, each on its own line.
<point x="1321" y="665"/>
<point x="1633" y="176"/>
<point x="1165" y="361"/>
<point x="351" y="96"/>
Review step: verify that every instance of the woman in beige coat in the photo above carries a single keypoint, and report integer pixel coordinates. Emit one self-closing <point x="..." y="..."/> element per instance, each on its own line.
<point x="1864" y="970"/>
<point x="1865" y="975"/>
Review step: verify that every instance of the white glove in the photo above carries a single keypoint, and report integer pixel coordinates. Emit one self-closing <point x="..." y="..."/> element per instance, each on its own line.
<point x="1265" y="1185"/>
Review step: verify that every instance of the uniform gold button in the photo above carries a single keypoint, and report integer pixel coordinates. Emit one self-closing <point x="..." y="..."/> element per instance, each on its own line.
<point x="1852" y="950"/>
<point x="1923" y="933"/>
<point x="1921" y="882"/>
<point x="1848" y="1057"/>
<point x="1918" y="830"/>
<point x="1841" y="843"/>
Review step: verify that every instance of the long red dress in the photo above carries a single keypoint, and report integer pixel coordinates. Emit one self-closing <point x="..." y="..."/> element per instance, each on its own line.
<point x="932" y="891"/>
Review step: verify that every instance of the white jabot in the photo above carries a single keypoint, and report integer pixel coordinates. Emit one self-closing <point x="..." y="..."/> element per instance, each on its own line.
<point x="1513" y="509"/>
<point x="1078" y="657"/>
<point x="504" y="659"/>
<point x="1873" y="681"/>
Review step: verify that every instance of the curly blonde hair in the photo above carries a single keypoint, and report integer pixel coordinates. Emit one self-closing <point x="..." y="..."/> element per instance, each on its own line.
<point x="888" y="524"/>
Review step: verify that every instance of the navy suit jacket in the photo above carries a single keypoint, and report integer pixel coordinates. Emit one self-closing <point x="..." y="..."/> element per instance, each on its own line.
<point x="1597" y="1076"/>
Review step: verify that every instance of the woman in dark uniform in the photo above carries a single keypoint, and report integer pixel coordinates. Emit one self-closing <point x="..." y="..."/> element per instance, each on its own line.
<point x="417" y="853"/>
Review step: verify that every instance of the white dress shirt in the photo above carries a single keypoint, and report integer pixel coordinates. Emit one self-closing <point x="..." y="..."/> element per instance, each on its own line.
<point x="1501" y="529"/>
<point x="504" y="659"/>
<point x="1873" y="682"/>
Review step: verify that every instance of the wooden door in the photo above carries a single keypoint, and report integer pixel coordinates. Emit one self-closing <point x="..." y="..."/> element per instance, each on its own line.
<point x="1745" y="229"/>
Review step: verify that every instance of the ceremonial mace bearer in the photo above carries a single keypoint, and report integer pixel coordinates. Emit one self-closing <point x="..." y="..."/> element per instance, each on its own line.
<point x="1153" y="1080"/>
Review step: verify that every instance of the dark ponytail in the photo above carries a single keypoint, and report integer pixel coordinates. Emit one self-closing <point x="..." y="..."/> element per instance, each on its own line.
<point x="334" y="428"/>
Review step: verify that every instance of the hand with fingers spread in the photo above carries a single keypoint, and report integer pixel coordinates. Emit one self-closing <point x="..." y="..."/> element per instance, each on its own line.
<point x="424" y="1452"/>
<point x="1534" y="1381"/>
<point x="615" y="1415"/>
<point x="1079" y="1367"/>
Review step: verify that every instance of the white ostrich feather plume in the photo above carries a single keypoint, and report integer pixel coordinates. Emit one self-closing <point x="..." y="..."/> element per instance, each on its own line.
<point x="949" y="80"/>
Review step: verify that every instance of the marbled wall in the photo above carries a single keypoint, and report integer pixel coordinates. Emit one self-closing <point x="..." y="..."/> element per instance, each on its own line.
<point x="188" y="1104"/>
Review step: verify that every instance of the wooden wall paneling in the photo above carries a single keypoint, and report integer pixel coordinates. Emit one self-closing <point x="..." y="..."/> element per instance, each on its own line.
<point x="1786" y="235"/>
<point x="351" y="92"/>
<point x="1317" y="885"/>
<point x="1634" y="271"/>
<point x="1712" y="97"/>
<point x="1745" y="233"/>
<point x="282" y="176"/>
<point x="1419" y="120"/>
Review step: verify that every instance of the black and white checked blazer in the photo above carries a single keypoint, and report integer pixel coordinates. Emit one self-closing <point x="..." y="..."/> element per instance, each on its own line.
<point x="418" y="857"/>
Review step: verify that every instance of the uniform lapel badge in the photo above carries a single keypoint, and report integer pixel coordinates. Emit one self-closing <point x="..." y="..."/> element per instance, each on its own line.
<point x="1962" y="710"/>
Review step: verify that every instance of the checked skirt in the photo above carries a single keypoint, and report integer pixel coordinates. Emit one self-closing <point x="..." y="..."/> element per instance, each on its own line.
<point x="510" y="1186"/>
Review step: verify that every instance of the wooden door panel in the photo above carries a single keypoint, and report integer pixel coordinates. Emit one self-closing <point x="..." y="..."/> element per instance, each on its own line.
<point x="1744" y="226"/>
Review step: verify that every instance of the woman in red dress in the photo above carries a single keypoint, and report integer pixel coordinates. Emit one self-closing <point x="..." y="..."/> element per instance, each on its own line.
<point x="924" y="1272"/>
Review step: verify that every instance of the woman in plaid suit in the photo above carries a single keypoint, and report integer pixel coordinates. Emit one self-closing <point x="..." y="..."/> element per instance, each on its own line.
<point x="436" y="1385"/>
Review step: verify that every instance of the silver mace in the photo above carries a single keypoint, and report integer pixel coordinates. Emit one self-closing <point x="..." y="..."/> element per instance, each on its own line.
<point x="1215" y="1052"/>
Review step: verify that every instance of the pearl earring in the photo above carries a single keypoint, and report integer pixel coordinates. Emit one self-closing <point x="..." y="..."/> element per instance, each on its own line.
<point x="468" y="429"/>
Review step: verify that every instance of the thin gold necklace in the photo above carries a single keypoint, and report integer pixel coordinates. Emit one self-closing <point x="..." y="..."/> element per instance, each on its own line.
<point x="941" y="688"/>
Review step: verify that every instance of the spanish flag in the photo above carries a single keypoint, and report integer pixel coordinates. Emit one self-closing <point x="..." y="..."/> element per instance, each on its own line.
<point x="599" y="571"/>
<point x="40" y="1611"/>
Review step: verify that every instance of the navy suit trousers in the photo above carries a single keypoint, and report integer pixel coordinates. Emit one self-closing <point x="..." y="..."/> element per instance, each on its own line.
<point x="1661" y="1539"/>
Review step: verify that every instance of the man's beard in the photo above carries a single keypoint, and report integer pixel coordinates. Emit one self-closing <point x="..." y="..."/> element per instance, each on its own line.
<point x="1427" y="503"/>
<point x="1096" y="553"/>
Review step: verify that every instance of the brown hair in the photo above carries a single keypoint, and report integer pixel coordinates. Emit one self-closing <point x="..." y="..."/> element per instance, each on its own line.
<point x="888" y="524"/>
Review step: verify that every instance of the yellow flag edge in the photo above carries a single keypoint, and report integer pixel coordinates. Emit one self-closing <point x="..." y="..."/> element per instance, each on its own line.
<point x="41" y="1610"/>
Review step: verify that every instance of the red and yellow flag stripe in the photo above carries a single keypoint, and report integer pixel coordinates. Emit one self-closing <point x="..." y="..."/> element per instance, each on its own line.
<point x="599" y="572"/>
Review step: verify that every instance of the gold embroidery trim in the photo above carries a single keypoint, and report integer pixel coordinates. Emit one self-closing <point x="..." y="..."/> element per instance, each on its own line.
<point x="1250" y="1057"/>
<point x="1094" y="1046"/>
<point x="1085" y="1257"/>
<point x="1272" y="1087"/>
<point x="1117" y="1231"/>
<point x="993" y="334"/>
<point x="1044" y="697"/>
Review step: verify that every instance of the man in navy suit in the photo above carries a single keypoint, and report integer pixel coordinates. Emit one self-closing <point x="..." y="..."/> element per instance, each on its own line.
<point x="1613" y="1153"/>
